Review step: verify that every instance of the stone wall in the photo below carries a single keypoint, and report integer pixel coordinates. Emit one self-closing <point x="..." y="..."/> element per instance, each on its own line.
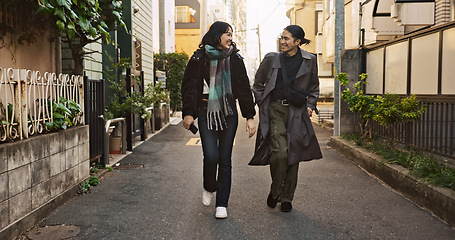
<point x="36" y="171"/>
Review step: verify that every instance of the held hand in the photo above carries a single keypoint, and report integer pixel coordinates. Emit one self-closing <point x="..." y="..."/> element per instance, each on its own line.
<point x="310" y="112"/>
<point x="187" y="121"/>
<point x="250" y="127"/>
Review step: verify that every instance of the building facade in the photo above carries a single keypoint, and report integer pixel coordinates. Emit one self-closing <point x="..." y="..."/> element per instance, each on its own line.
<point x="309" y="15"/>
<point x="187" y="26"/>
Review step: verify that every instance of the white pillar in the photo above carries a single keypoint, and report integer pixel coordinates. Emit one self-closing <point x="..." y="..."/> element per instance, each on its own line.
<point x="203" y="17"/>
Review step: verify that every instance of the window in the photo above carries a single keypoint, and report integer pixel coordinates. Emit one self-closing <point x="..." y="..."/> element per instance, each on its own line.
<point x="184" y="14"/>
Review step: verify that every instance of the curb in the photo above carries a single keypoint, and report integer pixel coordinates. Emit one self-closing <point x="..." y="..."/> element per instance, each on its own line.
<point x="437" y="200"/>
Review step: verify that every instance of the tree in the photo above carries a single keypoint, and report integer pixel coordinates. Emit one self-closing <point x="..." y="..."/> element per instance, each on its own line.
<point x="82" y="22"/>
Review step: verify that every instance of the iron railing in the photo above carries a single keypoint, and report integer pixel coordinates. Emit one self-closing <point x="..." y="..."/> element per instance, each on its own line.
<point x="26" y="99"/>
<point x="433" y="132"/>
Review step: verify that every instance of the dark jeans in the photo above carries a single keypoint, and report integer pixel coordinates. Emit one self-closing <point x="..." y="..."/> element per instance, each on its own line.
<point x="217" y="149"/>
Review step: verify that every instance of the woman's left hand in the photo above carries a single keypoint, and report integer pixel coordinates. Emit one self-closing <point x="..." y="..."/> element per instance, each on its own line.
<point x="250" y="127"/>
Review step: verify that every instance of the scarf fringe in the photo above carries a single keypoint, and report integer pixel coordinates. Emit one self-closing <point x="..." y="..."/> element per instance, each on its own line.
<point x="216" y="121"/>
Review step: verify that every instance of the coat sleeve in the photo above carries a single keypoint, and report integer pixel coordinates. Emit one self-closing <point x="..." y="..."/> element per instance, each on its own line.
<point x="261" y="77"/>
<point x="244" y="95"/>
<point x="313" y="86"/>
<point x="189" y="88"/>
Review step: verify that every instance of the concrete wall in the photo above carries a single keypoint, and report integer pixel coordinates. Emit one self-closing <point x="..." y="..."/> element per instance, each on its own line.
<point x="36" y="171"/>
<point x="39" y="55"/>
<point x="352" y="65"/>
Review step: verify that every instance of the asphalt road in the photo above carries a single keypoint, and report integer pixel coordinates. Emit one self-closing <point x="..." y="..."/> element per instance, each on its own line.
<point x="334" y="199"/>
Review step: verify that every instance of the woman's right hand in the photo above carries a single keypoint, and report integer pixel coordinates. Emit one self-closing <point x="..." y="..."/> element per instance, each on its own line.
<point x="187" y="121"/>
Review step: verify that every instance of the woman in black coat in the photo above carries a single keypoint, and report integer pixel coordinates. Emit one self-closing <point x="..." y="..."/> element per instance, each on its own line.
<point x="214" y="79"/>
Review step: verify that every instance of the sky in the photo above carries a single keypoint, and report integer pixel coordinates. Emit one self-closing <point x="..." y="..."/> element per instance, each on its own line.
<point x="271" y="17"/>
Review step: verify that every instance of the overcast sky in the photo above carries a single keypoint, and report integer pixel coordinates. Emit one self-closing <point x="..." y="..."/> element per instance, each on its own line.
<point x="271" y="17"/>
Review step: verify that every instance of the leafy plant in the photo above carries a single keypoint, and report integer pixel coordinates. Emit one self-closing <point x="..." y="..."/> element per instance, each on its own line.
<point x="94" y="181"/>
<point x="84" y="187"/>
<point x="83" y="22"/>
<point x="174" y="65"/>
<point x="122" y="102"/>
<point x="391" y="109"/>
<point x="359" y="102"/>
<point x="387" y="110"/>
<point x="64" y="112"/>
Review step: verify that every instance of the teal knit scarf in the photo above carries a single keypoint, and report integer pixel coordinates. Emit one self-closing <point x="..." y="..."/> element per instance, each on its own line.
<point x="221" y="99"/>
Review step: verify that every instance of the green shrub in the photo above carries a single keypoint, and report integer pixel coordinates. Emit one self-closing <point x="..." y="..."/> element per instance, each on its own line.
<point x="174" y="65"/>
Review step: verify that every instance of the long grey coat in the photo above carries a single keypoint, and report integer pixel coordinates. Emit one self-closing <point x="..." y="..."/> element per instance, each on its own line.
<point x="301" y="139"/>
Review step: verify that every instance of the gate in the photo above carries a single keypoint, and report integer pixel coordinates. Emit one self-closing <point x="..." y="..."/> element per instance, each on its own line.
<point x="94" y="116"/>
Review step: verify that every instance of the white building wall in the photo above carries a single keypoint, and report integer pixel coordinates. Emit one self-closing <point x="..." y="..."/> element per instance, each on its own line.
<point x="156" y="26"/>
<point x="143" y="30"/>
<point x="93" y="63"/>
<point x="169" y="26"/>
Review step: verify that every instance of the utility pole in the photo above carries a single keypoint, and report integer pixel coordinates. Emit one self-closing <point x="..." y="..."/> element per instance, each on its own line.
<point x="339" y="45"/>
<point x="259" y="44"/>
<point x="203" y="17"/>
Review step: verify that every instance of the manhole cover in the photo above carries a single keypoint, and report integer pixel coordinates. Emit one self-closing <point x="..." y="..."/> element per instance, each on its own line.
<point x="128" y="166"/>
<point x="54" y="233"/>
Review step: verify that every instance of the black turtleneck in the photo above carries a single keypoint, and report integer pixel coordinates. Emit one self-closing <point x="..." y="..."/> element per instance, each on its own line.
<point x="292" y="65"/>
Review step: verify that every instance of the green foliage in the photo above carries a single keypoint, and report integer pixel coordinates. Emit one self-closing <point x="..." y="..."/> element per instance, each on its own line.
<point x="359" y="102"/>
<point x="82" y="22"/>
<point x="174" y="65"/>
<point x="387" y="110"/>
<point x="94" y="181"/>
<point x="124" y="103"/>
<point x="64" y="112"/>
<point x="392" y="109"/>
<point x="109" y="169"/>
<point x="84" y="18"/>
<point x="86" y="186"/>
<point x="420" y="165"/>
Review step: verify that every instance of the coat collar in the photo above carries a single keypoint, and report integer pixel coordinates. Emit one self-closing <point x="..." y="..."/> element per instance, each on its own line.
<point x="303" y="68"/>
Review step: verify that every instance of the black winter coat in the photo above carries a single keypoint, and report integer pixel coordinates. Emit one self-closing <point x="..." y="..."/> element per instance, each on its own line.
<point x="192" y="85"/>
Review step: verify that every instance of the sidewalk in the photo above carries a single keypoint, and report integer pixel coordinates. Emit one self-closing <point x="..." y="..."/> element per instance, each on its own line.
<point x="161" y="199"/>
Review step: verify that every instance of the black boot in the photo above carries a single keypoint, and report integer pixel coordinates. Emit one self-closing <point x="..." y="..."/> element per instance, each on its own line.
<point x="271" y="202"/>
<point x="286" y="206"/>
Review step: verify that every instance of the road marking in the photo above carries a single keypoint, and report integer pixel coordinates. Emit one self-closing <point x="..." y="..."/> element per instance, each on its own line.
<point x="196" y="142"/>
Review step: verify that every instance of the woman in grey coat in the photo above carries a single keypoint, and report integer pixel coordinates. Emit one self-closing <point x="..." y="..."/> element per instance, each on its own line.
<point x="286" y="135"/>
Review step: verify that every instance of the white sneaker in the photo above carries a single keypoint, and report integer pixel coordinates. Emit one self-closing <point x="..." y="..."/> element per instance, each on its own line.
<point x="221" y="212"/>
<point x="206" y="197"/>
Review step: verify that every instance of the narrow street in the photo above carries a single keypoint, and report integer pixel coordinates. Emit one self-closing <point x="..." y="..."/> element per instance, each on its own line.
<point x="162" y="200"/>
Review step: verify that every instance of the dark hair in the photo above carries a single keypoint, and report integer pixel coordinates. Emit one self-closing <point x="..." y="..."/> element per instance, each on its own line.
<point x="297" y="33"/>
<point x="213" y="36"/>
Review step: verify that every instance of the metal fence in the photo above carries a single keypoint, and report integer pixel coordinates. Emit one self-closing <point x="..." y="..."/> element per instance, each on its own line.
<point x="26" y="99"/>
<point x="434" y="131"/>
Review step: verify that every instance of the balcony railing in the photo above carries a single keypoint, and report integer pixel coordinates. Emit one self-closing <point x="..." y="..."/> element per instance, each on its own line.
<point x="26" y="98"/>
